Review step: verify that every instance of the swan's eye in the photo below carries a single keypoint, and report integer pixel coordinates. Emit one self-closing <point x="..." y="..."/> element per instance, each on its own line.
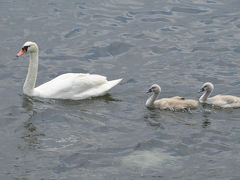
<point x="25" y="48"/>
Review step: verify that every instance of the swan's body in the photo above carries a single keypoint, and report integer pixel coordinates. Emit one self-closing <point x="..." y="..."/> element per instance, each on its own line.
<point x="74" y="86"/>
<point x="175" y="103"/>
<point x="224" y="101"/>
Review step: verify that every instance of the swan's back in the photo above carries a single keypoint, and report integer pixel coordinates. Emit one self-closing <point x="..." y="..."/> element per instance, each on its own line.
<point x="75" y="86"/>
<point x="175" y="103"/>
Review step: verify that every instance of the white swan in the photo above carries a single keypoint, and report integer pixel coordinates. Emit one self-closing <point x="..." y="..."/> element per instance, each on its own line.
<point x="175" y="103"/>
<point x="73" y="86"/>
<point x="224" y="101"/>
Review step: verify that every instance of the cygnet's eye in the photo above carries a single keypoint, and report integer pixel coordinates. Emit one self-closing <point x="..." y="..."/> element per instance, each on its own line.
<point x="150" y="90"/>
<point x="203" y="89"/>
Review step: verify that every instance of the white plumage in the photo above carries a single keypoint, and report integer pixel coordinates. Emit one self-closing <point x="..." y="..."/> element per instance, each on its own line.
<point x="73" y="86"/>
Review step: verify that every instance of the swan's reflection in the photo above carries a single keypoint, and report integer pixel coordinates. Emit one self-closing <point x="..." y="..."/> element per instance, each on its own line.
<point x="34" y="106"/>
<point x="27" y="103"/>
<point x="106" y="98"/>
<point x="31" y="134"/>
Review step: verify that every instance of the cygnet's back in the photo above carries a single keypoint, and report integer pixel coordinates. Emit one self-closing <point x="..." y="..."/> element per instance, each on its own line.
<point x="175" y="104"/>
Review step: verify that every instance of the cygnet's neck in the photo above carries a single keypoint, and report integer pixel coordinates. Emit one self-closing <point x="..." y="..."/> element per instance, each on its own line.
<point x="152" y="99"/>
<point x="31" y="78"/>
<point x="204" y="97"/>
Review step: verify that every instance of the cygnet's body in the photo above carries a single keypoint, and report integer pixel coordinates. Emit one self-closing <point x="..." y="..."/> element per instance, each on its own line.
<point x="175" y="103"/>
<point x="224" y="101"/>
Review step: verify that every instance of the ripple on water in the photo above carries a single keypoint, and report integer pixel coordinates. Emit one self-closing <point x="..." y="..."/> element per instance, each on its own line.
<point x="123" y="19"/>
<point x="155" y="20"/>
<point x="113" y="49"/>
<point x="188" y="10"/>
<point x="73" y="33"/>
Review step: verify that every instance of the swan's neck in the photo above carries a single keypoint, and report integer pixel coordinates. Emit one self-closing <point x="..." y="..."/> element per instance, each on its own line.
<point x="204" y="97"/>
<point x="31" y="78"/>
<point x="152" y="99"/>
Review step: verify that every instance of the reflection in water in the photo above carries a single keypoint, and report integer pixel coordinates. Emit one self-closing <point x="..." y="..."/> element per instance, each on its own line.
<point x="31" y="135"/>
<point x="152" y="118"/>
<point x="27" y="103"/>
<point x="206" y="122"/>
<point x="206" y="113"/>
<point x="106" y="98"/>
<point x="156" y="117"/>
<point x="33" y="105"/>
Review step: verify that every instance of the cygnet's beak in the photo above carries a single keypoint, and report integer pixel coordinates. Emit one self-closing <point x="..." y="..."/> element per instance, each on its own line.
<point x="22" y="52"/>
<point x="149" y="91"/>
<point x="201" y="90"/>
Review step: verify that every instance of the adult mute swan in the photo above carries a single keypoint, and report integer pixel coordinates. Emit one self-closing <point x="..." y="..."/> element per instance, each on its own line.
<point x="73" y="86"/>
<point x="224" y="101"/>
<point x="175" y="103"/>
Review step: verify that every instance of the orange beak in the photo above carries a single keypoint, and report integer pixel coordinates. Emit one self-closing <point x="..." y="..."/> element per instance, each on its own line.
<point x="22" y="52"/>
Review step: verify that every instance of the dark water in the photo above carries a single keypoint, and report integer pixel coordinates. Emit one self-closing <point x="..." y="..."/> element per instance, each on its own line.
<point x="178" y="44"/>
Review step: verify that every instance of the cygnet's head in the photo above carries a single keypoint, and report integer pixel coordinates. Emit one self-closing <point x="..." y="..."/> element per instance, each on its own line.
<point x="28" y="46"/>
<point x="207" y="87"/>
<point x="155" y="89"/>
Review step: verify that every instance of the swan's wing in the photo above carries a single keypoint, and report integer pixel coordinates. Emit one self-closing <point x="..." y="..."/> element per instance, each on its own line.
<point x="67" y="86"/>
<point x="99" y="90"/>
<point x="56" y="86"/>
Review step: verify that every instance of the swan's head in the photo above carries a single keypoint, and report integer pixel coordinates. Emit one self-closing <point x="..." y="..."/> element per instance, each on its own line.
<point x="28" y="46"/>
<point x="207" y="87"/>
<point x="156" y="89"/>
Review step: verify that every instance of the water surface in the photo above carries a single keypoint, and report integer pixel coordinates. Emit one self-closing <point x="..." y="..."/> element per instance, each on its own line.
<point x="178" y="44"/>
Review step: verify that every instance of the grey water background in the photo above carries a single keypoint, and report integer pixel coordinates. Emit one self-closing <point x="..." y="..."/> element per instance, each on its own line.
<point x="178" y="44"/>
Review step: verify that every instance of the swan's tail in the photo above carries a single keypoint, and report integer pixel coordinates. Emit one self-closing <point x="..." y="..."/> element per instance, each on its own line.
<point x="98" y="91"/>
<point x="107" y="86"/>
<point x="103" y="89"/>
<point x="114" y="82"/>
